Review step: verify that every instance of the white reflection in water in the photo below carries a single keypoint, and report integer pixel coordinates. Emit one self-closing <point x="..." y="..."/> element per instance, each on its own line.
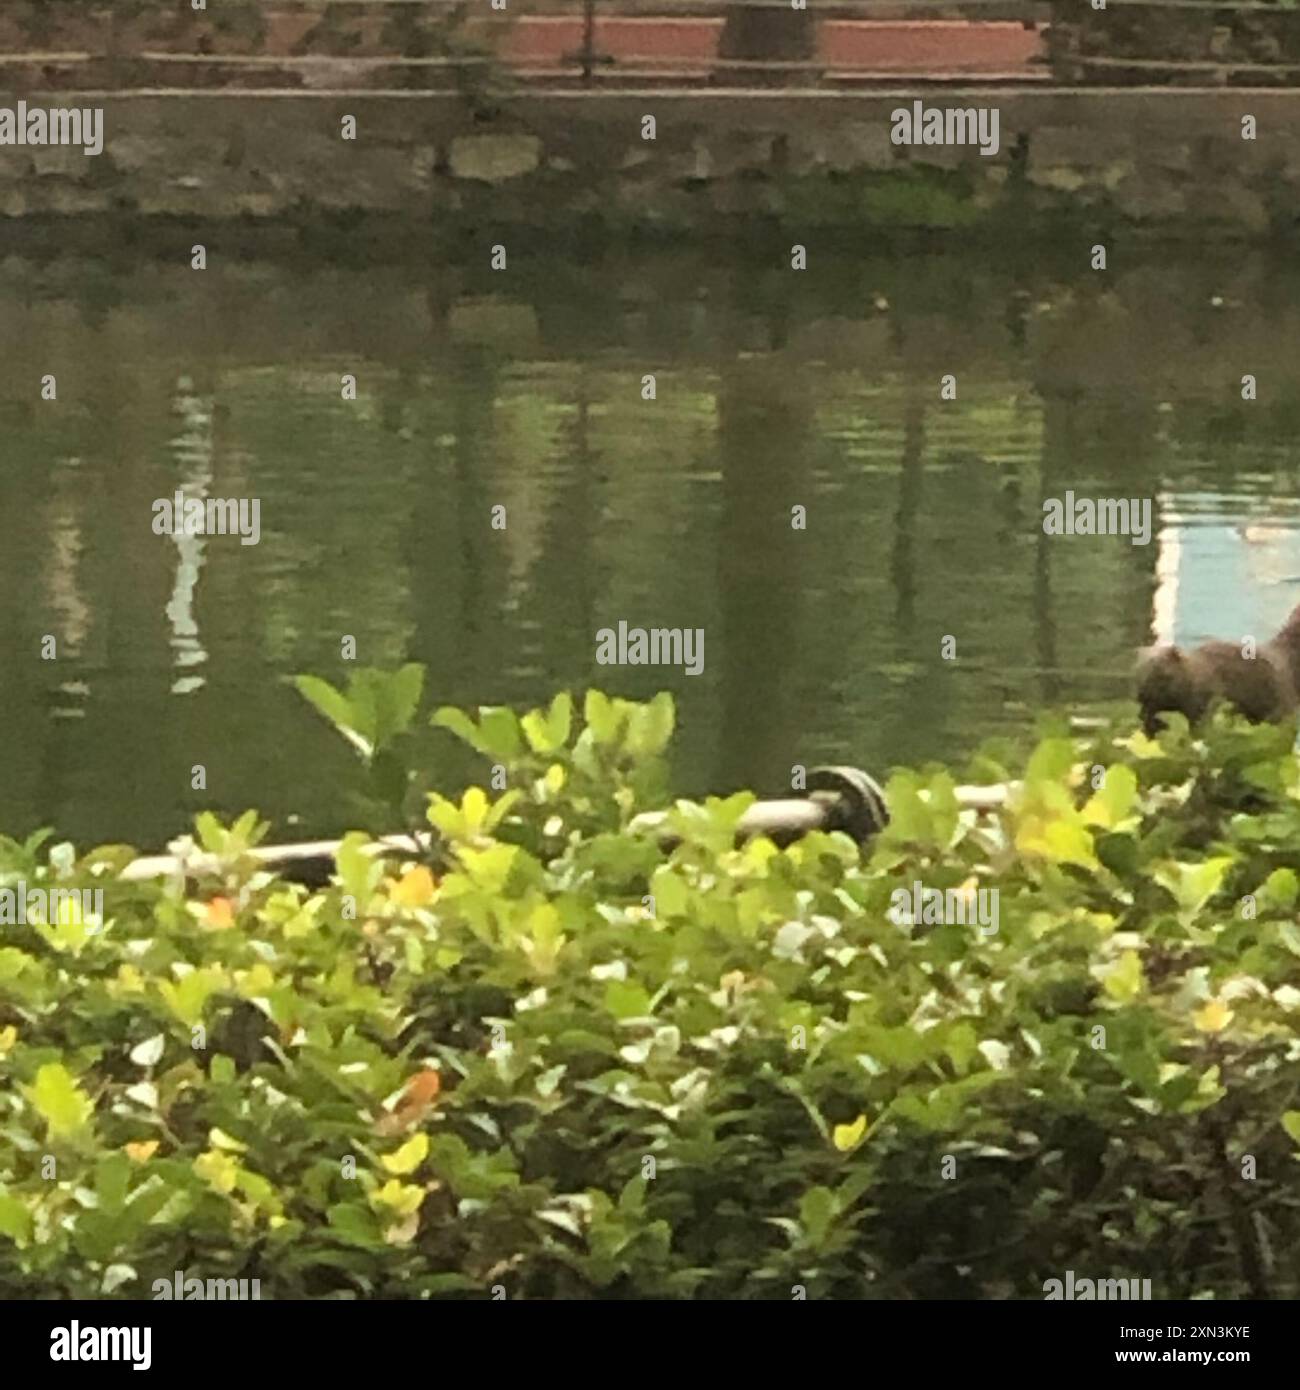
<point x="193" y="452"/>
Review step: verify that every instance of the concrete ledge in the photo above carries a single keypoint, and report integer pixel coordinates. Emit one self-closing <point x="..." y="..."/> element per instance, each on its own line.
<point x="1172" y="158"/>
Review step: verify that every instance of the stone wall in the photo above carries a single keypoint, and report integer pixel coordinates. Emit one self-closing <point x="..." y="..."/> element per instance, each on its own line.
<point x="1173" y="161"/>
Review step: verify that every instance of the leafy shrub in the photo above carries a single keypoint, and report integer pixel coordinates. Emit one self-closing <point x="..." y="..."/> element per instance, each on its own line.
<point x="557" y="1059"/>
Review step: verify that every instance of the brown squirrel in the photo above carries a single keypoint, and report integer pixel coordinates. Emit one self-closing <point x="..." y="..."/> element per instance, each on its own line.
<point x="1265" y="687"/>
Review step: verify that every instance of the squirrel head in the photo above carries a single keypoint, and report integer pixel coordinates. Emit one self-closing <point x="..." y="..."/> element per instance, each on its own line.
<point x="1164" y="684"/>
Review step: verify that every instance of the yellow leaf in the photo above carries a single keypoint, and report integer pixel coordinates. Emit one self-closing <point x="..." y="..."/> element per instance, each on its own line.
<point x="846" y="1137"/>
<point x="129" y="980"/>
<point x="218" y="1170"/>
<point x="258" y="980"/>
<point x="415" y="888"/>
<point x="1123" y="979"/>
<point x="401" y="1198"/>
<point x="8" y="1036"/>
<point x="141" y="1151"/>
<point x="474" y="807"/>
<point x="1069" y="843"/>
<point x="445" y="816"/>
<point x="1114" y="801"/>
<point x="1213" y="1018"/>
<point x="409" y="1157"/>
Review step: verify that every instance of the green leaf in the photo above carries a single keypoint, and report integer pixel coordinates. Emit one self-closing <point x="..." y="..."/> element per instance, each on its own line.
<point x="1124" y="981"/>
<point x="384" y="702"/>
<point x="818" y="1207"/>
<point x="378" y="706"/>
<point x="60" y="1101"/>
<point x="670" y="892"/>
<point x="334" y="705"/>
<point x="394" y="698"/>
<point x="359" y="871"/>
<point x="495" y="736"/>
<point x="1119" y="853"/>
<point x="500" y="809"/>
<point x="1193" y="885"/>
<point x="112" y="1180"/>
<point x="626" y="999"/>
<point x="188" y="997"/>
<point x="211" y="833"/>
<point x="549" y="733"/>
<point x="1051" y="762"/>
<point x="921" y="812"/>
<point x="650" y="727"/>
<point x="550" y="1079"/>
<point x="960" y="1043"/>
<point x="15" y="1219"/>
<point x="355" y="1223"/>
<point x="1115" y="801"/>
<point x="14" y="963"/>
<point x="456" y="721"/>
<point x="601" y="717"/>
<point x="1281" y="888"/>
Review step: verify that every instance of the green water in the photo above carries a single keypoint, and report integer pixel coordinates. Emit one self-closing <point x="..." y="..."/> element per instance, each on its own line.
<point x="774" y="389"/>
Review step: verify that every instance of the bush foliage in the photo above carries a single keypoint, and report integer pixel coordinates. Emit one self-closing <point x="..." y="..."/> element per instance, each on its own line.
<point x="558" y="1060"/>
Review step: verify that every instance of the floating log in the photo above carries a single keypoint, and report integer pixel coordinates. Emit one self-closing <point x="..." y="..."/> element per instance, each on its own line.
<point x="311" y="864"/>
<point x="839" y="798"/>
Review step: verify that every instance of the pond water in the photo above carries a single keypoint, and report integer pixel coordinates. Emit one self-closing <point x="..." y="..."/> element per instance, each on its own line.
<point x="774" y="390"/>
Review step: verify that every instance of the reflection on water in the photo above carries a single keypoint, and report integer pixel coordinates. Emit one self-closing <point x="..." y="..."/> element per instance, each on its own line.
<point x="773" y="392"/>
<point x="1224" y="569"/>
<point x="193" y="453"/>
